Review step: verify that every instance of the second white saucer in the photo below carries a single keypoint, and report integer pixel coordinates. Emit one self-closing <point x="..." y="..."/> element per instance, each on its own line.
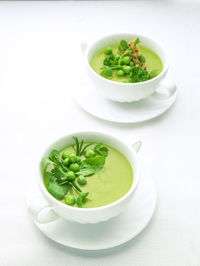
<point x="100" y="107"/>
<point x="106" y="234"/>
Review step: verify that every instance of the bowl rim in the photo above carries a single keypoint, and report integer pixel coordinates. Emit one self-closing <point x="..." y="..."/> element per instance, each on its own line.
<point x="165" y="69"/>
<point x="136" y="174"/>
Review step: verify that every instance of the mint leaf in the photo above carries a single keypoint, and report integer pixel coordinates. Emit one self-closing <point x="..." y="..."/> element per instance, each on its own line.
<point x="102" y="150"/>
<point x="91" y="165"/>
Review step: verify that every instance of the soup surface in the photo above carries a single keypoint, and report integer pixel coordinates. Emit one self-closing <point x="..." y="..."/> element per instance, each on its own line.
<point x="109" y="184"/>
<point x="153" y="62"/>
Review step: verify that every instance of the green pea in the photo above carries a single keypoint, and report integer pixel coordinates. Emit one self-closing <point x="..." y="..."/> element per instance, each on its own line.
<point x="107" y="72"/>
<point x="70" y="176"/>
<point x="81" y="180"/>
<point x="117" y="57"/>
<point x="66" y="162"/>
<point x="120" y="73"/>
<point x="72" y="158"/>
<point x="127" y="69"/>
<point x="108" y="50"/>
<point x="126" y="60"/>
<point x="65" y="154"/>
<point x="70" y="200"/>
<point x="78" y="158"/>
<point x="74" y="167"/>
<point x="131" y="64"/>
<point x="89" y="153"/>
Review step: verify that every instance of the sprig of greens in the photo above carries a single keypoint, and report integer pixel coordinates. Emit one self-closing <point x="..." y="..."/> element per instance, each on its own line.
<point x="67" y="169"/>
<point x="79" y="146"/>
<point x="129" y="63"/>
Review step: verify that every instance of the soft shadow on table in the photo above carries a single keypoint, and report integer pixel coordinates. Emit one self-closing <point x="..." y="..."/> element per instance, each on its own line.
<point x="130" y="125"/>
<point x="107" y="252"/>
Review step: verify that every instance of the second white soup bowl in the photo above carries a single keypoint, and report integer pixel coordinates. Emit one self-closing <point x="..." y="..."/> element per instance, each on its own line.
<point x="119" y="91"/>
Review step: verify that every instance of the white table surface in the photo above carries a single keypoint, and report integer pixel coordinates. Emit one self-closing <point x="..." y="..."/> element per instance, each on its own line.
<point x="39" y="55"/>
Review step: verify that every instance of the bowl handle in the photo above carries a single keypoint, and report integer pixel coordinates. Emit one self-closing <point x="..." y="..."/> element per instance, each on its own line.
<point x="83" y="47"/>
<point x="169" y="86"/>
<point x="41" y="211"/>
<point x="134" y="142"/>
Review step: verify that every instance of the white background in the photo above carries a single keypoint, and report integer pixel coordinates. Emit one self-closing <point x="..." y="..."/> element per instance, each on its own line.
<point x="39" y="65"/>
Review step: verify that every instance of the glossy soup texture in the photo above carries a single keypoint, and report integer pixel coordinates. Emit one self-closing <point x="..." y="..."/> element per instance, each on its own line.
<point x="109" y="184"/>
<point x="153" y="61"/>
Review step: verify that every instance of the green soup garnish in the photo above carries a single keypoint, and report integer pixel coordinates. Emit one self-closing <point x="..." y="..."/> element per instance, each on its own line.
<point x="97" y="175"/>
<point x="127" y="62"/>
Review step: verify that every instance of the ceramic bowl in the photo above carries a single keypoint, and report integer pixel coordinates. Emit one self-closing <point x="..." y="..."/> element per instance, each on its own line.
<point x="118" y="91"/>
<point x="52" y="209"/>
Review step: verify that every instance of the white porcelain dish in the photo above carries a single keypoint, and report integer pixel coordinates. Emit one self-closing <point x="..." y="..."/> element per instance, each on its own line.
<point x="118" y="91"/>
<point x="127" y="113"/>
<point x="51" y="209"/>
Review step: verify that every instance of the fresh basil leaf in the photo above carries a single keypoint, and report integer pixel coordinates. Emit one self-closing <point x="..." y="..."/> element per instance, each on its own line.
<point x="86" y="172"/>
<point x="91" y="165"/>
<point x="56" y="190"/>
<point x="123" y="44"/>
<point x="102" y="150"/>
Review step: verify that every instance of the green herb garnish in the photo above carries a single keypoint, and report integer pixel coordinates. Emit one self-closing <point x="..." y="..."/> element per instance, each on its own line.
<point x="100" y="149"/>
<point x="79" y="146"/>
<point x="81" y="198"/>
<point x="68" y="170"/>
<point x="128" y="56"/>
<point x="91" y="166"/>
<point x="57" y="190"/>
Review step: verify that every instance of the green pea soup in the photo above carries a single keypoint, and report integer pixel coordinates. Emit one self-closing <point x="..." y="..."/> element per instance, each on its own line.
<point x="109" y="184"/>
<point x="153" y="61"/>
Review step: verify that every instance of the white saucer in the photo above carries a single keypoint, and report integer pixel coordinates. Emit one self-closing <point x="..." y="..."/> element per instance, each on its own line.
<point x="106" y="234"/>
<point x="100" y="107"/>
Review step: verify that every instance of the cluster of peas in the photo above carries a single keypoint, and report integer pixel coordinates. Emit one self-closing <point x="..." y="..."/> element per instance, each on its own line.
<point x="126" y="61"/>
<point x="72" y="161"/>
